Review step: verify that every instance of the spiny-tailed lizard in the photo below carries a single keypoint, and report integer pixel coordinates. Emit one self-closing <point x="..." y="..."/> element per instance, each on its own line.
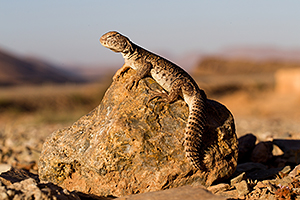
<point x="173" y="79"/>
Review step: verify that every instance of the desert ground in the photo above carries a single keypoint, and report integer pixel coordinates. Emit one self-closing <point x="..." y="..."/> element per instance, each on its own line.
<point x="28" y="114"/>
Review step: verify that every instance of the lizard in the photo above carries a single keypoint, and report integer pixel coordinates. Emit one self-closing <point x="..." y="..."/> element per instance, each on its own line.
<point x="173" y="79"/>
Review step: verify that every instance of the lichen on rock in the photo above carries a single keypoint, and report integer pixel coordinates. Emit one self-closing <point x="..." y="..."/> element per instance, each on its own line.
<point x="128" y="145"/>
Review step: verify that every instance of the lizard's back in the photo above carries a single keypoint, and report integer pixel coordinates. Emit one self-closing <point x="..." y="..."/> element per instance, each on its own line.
<point x="163" y="71"/>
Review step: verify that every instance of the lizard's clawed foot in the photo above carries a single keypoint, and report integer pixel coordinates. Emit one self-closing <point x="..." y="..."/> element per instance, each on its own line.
<point x="133" y="82"/>
<point x="120" y="72"/>
<point x="163" y="97"/>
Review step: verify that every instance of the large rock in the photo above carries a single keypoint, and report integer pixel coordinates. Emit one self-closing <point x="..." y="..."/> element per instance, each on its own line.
<point x="127" y="145"/>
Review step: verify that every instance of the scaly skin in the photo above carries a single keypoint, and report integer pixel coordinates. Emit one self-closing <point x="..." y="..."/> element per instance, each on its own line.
<point x="173" y="79"/>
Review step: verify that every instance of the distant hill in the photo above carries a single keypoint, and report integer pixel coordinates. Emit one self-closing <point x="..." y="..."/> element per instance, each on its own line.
<point x="232" y="66"/>
<point x="15" y="70"/>
<point x="247" y="61"/>
<point x="261" y="53"/>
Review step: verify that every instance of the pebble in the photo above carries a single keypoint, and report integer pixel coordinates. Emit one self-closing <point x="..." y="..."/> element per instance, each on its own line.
<point x="4" y="168"/>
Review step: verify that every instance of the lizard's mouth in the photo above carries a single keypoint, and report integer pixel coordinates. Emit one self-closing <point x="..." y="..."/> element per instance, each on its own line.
<point x="103" y="41"/>
<point x="114" y="50"/>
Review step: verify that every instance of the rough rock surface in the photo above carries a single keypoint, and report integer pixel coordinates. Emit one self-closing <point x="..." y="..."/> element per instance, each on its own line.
<point x="127" y="145"/>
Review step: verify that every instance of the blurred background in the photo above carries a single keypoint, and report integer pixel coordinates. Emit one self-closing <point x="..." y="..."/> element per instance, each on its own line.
<point x="53" y="69"/>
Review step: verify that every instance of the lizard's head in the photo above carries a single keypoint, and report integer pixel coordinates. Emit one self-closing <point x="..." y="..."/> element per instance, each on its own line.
<point x="116" y="42"/>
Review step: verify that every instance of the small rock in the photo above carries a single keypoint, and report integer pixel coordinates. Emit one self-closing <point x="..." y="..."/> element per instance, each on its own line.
<point x="28" y="187"/>
<point x="4" y="168"/>
<point x="277" y="151"/>
<point x="260" y="185"/>
<point x="263" y="193"/>
<point x="246" y="146"/>
<point x="283" y="181"/>
<point x="185" y="192"/>
<point x="238" y="179"/>
<point x="231" y="194"/>
<point x="286" y="169"/>
<point x="242" y="188"/>
<point x="265" y="184"/>
<point x="221" y="187"/>
<point x="262" y="152"/>
<point x="262" y="190"/>
<point x="3" y="195"/>
<point x="295" y="172"/>
<point x="16" y="175"/>
<point x="291" y="149"/>
<point x="269" y="185"/>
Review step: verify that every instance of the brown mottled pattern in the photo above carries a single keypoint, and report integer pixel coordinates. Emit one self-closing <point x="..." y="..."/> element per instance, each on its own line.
<point x="173" y="79"/>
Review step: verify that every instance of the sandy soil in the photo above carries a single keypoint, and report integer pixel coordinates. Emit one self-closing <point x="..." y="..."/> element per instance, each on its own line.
<point x="266" y="114"/>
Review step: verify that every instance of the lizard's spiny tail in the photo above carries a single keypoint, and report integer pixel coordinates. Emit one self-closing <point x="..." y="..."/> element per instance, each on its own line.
<point x="194" y="130"/>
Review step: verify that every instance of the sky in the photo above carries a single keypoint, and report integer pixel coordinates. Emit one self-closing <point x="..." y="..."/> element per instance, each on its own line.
<point x="67" y="32"/>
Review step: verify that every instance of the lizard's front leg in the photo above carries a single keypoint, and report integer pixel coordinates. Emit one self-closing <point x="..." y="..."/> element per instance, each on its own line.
<point x="120" y="72"/>
<point x="141" y="72"/>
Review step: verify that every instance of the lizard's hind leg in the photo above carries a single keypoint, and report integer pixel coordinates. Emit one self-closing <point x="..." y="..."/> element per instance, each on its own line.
<point x="120" y="72"/>
<point x="173" y="95"/>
